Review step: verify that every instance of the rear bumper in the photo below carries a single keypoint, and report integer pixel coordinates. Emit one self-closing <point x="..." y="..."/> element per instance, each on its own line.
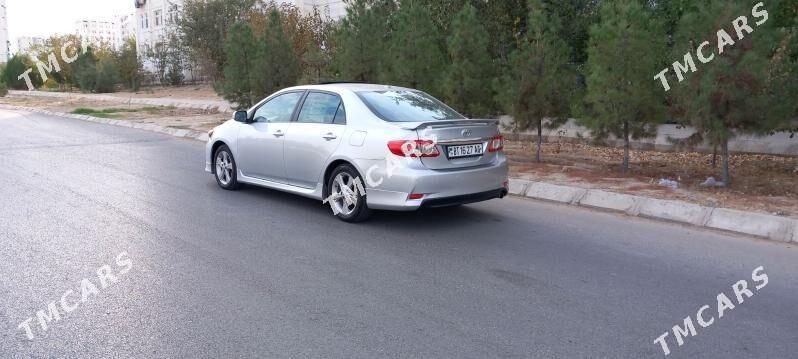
<point x="440" y="188"/>
<point x="464" y="199"/>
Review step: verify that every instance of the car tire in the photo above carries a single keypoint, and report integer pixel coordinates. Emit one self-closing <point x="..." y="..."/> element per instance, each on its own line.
<point x="354" y="208"/>
<point x="225" y="169"/>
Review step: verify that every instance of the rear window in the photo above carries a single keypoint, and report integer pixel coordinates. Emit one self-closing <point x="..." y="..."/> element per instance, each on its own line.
<point x="407" y="106"/>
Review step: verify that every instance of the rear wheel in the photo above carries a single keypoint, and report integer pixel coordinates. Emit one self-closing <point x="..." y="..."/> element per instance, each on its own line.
<point x="347" y="195"/>
<point x="225" y="169"/>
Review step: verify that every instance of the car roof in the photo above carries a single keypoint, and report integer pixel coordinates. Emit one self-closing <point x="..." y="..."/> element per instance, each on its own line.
<point x="349" y="86"/>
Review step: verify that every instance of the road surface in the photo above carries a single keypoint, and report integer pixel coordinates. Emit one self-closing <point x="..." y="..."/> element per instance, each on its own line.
<point x="202" y="272"/>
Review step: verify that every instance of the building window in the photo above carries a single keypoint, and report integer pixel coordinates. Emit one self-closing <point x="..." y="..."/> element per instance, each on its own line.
<point x="171" y="16"/>
<point x="158" y="18"/>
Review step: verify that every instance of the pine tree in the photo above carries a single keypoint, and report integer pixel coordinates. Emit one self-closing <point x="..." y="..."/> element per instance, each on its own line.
<point x="107" y="76"/>
<point x="471" y="71"/>
<point x="624" y="53"/>
<point x="275" y="66"/>
<point x="538" y="89"/>
<point x="360" y="46"/>
<point x="85" y="71"/>
<point x="416" y="55"/>
<point x="240" y="47"/>
<point x="730" y="95"/>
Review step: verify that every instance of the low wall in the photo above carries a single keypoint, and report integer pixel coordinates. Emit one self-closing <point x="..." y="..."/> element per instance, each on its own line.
<point x="777" y="144"/>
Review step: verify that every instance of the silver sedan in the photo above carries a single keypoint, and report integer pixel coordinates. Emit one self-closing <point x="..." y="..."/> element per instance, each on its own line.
<point x="360" y="147"/>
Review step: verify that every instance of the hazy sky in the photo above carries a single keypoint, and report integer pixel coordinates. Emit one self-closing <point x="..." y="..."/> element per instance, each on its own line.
<point x="46" y="17"/>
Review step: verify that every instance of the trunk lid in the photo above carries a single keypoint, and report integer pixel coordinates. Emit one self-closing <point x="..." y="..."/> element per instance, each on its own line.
<point x="461" y="143"/>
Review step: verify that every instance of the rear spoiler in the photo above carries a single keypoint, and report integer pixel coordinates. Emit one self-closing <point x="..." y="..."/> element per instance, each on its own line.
<point x="446" y="123"/>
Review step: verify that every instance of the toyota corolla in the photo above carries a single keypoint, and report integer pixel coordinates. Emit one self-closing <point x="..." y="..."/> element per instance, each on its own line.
<point x="360" y="147"/>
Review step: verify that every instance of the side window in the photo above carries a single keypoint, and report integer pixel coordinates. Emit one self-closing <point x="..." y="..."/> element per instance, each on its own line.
<point x="340" y="116"/>
<point x="278" y="109"/>
<point x="319" y="108"/>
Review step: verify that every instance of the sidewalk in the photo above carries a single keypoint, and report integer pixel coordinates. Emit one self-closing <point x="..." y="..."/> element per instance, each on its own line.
<point x="749" y="223"/>
<point x="221" y="106"/>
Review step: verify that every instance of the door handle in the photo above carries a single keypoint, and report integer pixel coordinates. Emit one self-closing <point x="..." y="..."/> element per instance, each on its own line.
<point x="329" y="136"/>
<point x="278" y="133"/>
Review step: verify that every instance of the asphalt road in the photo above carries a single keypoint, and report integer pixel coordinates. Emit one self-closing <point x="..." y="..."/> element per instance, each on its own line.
<point x="258" y="273"/>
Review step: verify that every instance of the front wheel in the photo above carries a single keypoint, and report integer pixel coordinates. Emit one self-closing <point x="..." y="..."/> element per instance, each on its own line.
<point x="347" y="195"/>
<point x="225" y="169"/>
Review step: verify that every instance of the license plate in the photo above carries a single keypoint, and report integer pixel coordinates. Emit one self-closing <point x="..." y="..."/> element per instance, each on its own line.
<point x="465" y="150"/>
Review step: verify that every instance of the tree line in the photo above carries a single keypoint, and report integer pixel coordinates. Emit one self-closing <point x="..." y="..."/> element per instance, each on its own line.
<point x="540" y="61"/>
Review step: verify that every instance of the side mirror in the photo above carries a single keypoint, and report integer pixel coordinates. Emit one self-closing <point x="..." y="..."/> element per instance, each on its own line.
<point x="241" y="116"/>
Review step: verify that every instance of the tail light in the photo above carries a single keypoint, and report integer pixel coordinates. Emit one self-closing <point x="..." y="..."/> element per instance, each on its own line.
<point x="496" y="144"/>
<point x="414" y="148"/>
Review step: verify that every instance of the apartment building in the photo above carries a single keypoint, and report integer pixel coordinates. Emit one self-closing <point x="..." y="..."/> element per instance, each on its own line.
<point x="25" y="43"/>
<point x="125" y="28"/>
<point x="335" y="9"/>
<point x="96" y="32"/>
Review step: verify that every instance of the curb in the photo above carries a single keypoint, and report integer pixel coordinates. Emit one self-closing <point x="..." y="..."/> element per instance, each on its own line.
<point x="175" y="132"/>
<point x="749" y="223"/>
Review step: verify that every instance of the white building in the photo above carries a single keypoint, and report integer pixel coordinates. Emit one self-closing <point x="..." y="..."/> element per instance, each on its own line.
<point x="154" y="19"/>
<point x="96" y="32"/>
<point x="125" y="28"/>
<point x="25" y="43"/>
<point x="4" y="43"/>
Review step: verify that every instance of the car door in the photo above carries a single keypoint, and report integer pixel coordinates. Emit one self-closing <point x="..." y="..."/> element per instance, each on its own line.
<point x="260" y="142"/>
<point x="313" y="137"/>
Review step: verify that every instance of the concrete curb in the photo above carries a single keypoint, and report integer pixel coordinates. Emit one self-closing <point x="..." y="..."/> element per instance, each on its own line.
<point x="175" y="132"/>
<point x="755" y="224"/>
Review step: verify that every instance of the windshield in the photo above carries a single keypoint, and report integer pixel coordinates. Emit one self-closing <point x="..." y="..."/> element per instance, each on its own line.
<point x="407" y="106"/>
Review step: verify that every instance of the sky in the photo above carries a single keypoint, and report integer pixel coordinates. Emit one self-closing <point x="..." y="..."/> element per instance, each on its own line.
<point x="43" y="18"/>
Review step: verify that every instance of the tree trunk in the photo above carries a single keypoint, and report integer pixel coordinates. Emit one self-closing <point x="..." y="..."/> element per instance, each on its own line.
<point x="724" y="149"/>
<point x="625" y="166"/>
<point x="540" y="139"/>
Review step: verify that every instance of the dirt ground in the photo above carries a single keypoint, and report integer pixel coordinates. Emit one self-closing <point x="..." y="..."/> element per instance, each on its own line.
<point x="760" y="183"/>
<point x="164" y="116"/>
<point x="194" y="92"/>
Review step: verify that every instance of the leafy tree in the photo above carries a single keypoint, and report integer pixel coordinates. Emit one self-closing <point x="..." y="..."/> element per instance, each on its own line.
<point x="538" y="89"/>
<point x="275" y="66"/>
<point x="416" y="55"/>
<point x="469" y="75"/>
<point x="129" y="65"/>
<point x="63" y="47"/>
<point x="624" y="52"/>
<point x="238" y="72"/>
<point x="169" y="60"/>
<point x="734" y="93"/>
